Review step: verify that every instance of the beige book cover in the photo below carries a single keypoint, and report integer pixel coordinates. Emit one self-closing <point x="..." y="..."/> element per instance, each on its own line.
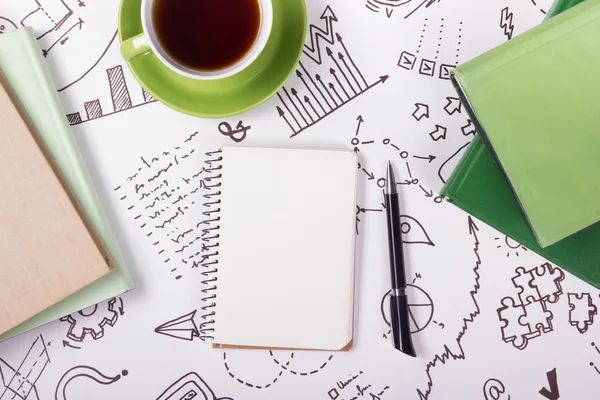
<point x="46" y="250"/>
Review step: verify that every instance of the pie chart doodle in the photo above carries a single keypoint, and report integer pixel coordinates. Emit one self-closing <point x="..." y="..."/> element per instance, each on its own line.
<point x="420" y="308"/>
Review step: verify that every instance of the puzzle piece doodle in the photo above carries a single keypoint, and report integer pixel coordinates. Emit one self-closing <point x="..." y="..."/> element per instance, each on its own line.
<point x="537" y="317"/>
<point x="523" y="283"/>
<point x="547" y="280"/>
<point x="510" y="314"/>
<point x="582" y="311"/>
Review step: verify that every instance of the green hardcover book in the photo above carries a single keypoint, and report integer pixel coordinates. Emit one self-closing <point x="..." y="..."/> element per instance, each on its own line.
<point x="24" y="67"/>
<point x="536" y="100"/>
<point x="478" y="187"/>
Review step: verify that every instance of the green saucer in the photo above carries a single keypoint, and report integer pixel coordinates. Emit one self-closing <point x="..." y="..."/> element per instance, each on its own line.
<point x="228" y="96"/>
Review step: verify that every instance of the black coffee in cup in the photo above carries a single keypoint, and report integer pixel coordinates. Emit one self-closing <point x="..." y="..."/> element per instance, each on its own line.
<point x="206" y="35"/>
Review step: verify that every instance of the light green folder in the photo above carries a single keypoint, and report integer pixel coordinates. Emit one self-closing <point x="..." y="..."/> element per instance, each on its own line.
<point x="22" y="63"/>
<point x="537" y="101"/>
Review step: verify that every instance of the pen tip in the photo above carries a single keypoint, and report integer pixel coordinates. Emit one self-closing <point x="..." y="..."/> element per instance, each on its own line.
<point x="391" y="180"/>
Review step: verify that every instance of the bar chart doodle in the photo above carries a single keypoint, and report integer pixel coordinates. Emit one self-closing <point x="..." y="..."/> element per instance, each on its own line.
<point x="120" y="96"/>
<point x="331" y="80"/>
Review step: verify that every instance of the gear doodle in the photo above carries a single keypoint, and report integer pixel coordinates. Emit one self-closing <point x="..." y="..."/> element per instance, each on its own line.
<point x="92" y="321"/>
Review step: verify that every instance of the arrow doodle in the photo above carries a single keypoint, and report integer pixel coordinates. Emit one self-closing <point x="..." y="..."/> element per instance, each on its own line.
<point x="317" y="94"/>
<point x="68" y="344"/>
<point x="429" y="157"/>
<point x="469" y="129"/>
<point x="370" y="175"/>
<point x="454" y="105"/>
<point x="438" y="133"/>
<point x="314" y="50"/>
<point x="553" y="393"/>
<point x="241" y="130"/>
<point x="360" y="121"/>
<point x="63" y="39"/>
<point x="427" y="193"/>
<point x="421" y="111"/>
<point x="341" y="41"/>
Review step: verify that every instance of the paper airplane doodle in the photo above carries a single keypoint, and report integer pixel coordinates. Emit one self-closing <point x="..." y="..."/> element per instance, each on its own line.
<point x="20" y="383"/>
<point x="183" y="327"/>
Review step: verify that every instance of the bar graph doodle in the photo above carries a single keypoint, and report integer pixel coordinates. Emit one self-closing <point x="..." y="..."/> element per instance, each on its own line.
<point x="411" y="6"/>
<point x="20" y="383"/>
<point x="120" y="96"/>
<point x="331" y="80"/>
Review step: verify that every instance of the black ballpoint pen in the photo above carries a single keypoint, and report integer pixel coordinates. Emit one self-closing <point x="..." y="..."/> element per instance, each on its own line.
<point x="399" y="314"/>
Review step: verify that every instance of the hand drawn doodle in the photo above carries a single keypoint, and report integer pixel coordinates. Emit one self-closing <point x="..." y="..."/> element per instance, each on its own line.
<point x="420" y="308"/>
<point x="188" y="387"/>
<point x="438" y="133"/>
<point x="552" y="393"/>
<point x="506" y="22"/>
<point x="528" y="316"/>
<point x="237" y="134"/>
<point x="20" y="383"/>
<point x="421" y="111"/>
<point x="285" y="364"/>
<point x="92" y="321"/>
<point x="469" y="128"/>
<point x="411" y="6"/>
<point x="541" y="8"/>
<point x="184" y="327"/>
<point x="493" y="389"/>
<point x="355" y="388"/>
<point x="453" y="106"/>
<point x="448" y="166"/>
<point x="597" y="353"/>
<point x="334" y="79"/>
<point x="433" y="40"/>
<point x="62" y="30"/>
<point x="513" y="247"/>
<point x="163" y="190"/>
<point x="83" y="371"/>
<point x="447" y="354"/>
<point x="120" y="96"/>
<point x="581" y="311"/>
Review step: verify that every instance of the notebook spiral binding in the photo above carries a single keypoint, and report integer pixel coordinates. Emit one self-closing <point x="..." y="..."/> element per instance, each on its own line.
<point x="210" y="242"/>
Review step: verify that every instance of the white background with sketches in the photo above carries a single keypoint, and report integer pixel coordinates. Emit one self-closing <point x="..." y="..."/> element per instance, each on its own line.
<point x="460" y="268"/>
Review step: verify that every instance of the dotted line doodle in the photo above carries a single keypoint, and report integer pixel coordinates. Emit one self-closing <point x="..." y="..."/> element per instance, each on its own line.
<point x="291" y="371"/>
<point x="251" y="385"/>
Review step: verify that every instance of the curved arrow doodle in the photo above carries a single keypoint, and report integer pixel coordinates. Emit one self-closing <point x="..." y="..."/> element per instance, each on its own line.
<point x="87" y="372"/>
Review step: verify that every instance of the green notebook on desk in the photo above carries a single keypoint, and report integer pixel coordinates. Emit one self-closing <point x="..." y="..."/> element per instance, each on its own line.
<point x="536" y="101"/>
<point x="478" y="187"/>
<point x="22" y="63"/>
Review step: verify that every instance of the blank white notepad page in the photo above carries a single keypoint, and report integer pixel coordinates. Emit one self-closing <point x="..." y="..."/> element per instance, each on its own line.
<point x="286" y="248"/>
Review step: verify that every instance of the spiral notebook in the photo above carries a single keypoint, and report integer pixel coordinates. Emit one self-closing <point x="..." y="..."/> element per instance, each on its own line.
<point x="281" y="224"/>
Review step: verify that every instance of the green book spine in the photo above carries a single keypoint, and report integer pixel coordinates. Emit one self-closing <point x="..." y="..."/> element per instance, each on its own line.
<point x="478" y="187"/>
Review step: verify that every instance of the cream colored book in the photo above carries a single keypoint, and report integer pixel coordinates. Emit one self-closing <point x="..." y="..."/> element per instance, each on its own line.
<point x="47" y="250"/>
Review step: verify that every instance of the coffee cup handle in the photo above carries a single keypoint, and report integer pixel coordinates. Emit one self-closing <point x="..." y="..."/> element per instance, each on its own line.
<point x="135" y="46"/>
